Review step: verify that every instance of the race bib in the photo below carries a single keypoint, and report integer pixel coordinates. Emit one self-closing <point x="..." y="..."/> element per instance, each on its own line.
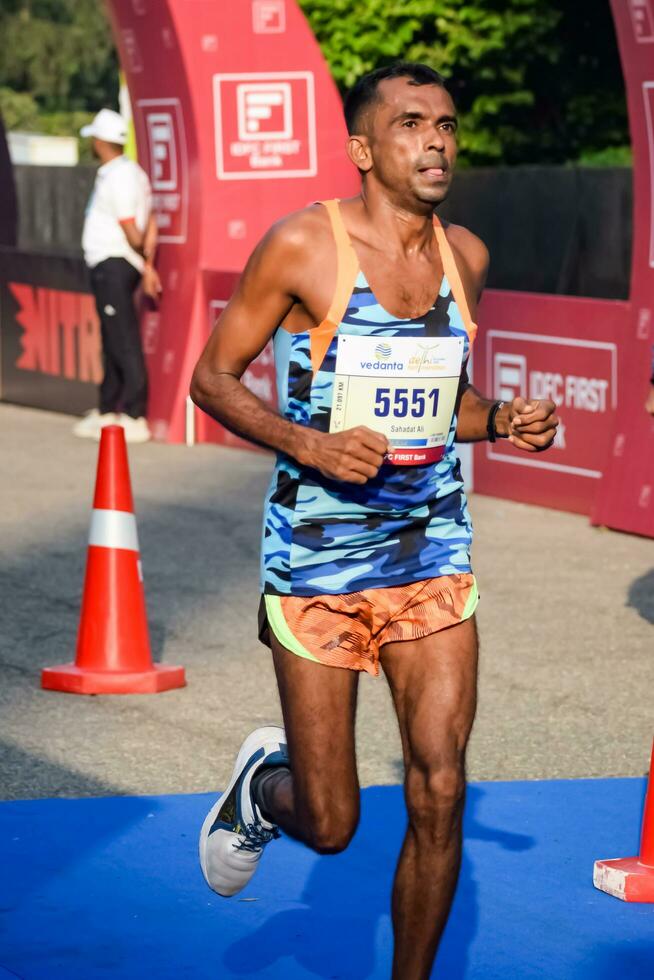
<point x="403" y="387"/>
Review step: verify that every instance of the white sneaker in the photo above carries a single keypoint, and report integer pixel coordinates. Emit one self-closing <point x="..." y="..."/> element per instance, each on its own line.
<point x="136" y="430"/>
<point x="89" y="426"/>
<point x="234" y="832"/>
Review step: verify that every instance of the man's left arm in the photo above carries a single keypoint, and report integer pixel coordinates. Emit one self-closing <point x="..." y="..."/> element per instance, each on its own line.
<point x="144" y="242"/>
<point x="126" y="197"/>
<point x="529" y="425"/>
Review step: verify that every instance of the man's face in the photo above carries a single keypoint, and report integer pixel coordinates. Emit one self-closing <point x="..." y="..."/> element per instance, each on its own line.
<point x="411" y="138"/>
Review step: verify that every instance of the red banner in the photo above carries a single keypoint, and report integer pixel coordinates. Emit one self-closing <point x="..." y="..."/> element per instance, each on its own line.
<point x="49" y="333"/>
<point x="564" y="349"/>
<point x="61" y="332"/>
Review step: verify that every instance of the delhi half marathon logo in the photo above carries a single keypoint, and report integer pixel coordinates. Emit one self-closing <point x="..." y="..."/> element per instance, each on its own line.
<point x="426" y="358"/>
<point x="383" y="350"/>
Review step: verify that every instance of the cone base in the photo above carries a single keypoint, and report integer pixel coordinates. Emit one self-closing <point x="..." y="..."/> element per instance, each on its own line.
<point x="73" y="680"/>
<point x="626" y="879"/>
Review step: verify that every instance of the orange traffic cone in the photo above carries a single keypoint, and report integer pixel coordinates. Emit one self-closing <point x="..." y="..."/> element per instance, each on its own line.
<point x="113" y="646"/>
<point x="632" y="879"/>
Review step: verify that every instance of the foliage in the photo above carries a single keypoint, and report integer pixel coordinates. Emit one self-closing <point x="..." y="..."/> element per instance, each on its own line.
<point x="581" y="105"/>
<point x="59" y="54"/>
<point x="18" y="109"/>
<point x="611" y="156"/>
<point x="533" y="80"/>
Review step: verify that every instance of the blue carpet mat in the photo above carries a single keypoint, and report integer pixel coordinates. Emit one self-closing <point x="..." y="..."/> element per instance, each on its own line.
<point x="99" y="888"/>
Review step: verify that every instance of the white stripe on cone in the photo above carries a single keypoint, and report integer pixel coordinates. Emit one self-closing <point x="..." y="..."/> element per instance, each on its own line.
<point x="113" y="529"/>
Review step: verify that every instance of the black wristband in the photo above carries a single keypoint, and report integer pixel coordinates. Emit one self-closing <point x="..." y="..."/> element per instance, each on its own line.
<point x="490" y="425"/>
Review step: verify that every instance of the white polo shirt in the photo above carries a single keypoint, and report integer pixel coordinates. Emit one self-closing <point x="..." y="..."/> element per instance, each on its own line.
<point x="121" y="191"/>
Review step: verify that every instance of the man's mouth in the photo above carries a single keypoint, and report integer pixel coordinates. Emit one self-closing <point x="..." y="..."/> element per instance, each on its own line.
<point x="434" y="171"/>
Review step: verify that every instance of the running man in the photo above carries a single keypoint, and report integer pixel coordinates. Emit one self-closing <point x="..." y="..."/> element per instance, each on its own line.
<point x="366" y="549"/>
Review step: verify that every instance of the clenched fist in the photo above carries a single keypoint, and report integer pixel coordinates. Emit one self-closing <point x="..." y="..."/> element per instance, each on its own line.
<point x="353" y="456"/>
<point x="532" y="424"/>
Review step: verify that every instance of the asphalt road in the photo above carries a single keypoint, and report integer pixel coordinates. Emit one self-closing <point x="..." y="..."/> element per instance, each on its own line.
<point x="566" y="620"/>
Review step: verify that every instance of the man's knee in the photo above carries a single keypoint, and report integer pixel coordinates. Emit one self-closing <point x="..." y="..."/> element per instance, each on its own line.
<point x="435" y="795"/>
<point x="330" y="828"/>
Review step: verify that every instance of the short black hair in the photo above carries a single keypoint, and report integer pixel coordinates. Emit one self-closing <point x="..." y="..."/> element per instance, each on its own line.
<point x="364" y="92"/>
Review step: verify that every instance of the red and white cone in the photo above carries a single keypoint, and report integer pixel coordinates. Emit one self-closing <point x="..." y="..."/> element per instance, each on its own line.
<point x="113" y="646"/>
<point x="632" y="879"/>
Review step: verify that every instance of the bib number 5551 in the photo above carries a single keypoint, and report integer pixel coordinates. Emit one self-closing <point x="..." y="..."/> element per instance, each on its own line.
<point x="400" y="402"/>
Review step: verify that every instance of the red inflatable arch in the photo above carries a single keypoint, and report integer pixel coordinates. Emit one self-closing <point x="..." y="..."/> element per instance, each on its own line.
<point x="238" y="122"/>
<point x="626" y="495"/>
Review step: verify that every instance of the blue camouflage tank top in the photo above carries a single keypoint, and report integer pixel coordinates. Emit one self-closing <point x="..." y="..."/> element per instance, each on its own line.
<point x="408" y="523"/>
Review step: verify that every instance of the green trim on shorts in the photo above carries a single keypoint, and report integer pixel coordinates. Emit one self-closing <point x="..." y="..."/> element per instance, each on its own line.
<point x="473" y="601"/>
<point x="281" y="629"/>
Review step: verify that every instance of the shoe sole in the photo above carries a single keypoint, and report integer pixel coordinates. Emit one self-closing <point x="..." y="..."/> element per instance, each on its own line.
<point x="251" y="744"/>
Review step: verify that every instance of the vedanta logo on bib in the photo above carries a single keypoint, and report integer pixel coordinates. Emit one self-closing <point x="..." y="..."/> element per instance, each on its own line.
<point x="382" y="365"/>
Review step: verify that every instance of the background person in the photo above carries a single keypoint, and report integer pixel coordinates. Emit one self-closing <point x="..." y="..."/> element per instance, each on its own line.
<point x="119" y="241"/>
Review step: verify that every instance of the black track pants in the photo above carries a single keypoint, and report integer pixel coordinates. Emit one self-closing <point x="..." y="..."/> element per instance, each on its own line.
<point x="125" y="383"/>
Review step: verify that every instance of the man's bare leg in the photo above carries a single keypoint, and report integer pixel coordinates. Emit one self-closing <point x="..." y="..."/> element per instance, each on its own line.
<point x="318" y="801"/>
<point x="433" y="682"/>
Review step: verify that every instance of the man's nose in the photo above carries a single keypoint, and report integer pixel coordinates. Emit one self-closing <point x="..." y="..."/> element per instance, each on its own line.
<point x="435" y="140"/>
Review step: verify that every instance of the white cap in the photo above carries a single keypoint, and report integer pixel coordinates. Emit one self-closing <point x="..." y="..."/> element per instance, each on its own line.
<point x="108" y="126"/>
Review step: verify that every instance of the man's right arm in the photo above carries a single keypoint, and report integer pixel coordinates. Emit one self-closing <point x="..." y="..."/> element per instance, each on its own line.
<point x="270" y="285"/>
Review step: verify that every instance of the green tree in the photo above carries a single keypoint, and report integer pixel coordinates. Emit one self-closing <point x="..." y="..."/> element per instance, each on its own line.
<point x="18" y="109"/>
<point x="58" y="52"/>
<point x="580" y="110"/>
<point x="534" y="80"/>
<point x="531" y="78"/>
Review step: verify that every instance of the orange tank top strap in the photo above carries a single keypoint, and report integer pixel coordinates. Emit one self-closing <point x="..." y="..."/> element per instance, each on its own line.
<point x="454" y="278"/>
<point x="347" y="269"/>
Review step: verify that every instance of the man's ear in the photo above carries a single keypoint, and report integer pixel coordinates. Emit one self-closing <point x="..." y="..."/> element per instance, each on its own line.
<point x="358" y="150"/>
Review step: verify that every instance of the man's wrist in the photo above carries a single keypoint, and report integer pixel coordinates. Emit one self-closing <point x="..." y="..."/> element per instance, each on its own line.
<point x="301" y="444"/>
<point x="502" y="420"/>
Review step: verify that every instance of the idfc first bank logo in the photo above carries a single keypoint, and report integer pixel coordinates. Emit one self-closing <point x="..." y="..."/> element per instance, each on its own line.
<point x="167" y="165"/>
<point x="265" y="125"/>
<point x="578" y="375"/>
